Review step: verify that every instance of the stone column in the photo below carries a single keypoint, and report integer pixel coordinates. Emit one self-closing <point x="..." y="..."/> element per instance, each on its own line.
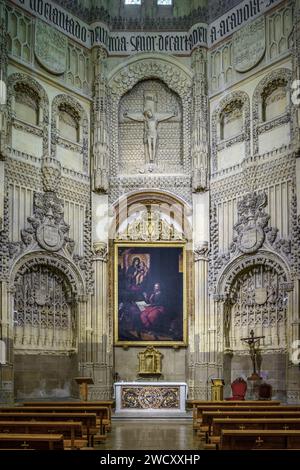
<point x="200" y="120"/>
<point x="6" y="302"/>
<point x="293" y="380"/>
<point x="100" y="150"/>
<point x="3" y="108"/>
<point x="7" y="344"/>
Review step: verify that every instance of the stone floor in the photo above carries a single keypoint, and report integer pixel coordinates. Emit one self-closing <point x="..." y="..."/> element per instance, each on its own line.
<point x="151" y="434"/>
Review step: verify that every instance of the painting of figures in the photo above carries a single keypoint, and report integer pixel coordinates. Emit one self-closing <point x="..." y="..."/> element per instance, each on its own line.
<point x="150" y="294"/>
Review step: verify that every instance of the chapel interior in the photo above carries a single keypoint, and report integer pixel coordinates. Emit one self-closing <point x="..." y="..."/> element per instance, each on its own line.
<point x="149" y="224"/>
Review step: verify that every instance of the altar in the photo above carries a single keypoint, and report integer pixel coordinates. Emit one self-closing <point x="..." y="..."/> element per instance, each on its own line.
<point x="150" y="399"/>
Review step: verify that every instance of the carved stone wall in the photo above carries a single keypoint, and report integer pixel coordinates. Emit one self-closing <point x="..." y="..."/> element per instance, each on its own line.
<point x="280" y="78"/>
<point x="232" y="102"/>
<point x="132" y="138"/>
<point x="82" y="146"/>
<point x="44" y="316"/>
<point x="178" y="79"/>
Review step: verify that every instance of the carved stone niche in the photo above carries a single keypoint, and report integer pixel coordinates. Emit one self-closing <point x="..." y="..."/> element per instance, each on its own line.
<point x="150" y="362"/>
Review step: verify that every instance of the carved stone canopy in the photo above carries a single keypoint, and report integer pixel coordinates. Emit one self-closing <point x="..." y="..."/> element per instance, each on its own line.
<point x="149" y="225"/>
<point x="150" y="362"/>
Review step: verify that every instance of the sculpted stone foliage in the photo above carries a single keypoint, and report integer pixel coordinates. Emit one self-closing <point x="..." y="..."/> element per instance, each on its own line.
<point x="234" y="100"/>
<point x="276" y="78"/>
<point x="67" y="102"/>
<point x="18" y="81"/>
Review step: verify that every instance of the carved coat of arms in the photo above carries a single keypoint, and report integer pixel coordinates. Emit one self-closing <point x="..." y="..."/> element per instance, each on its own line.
<point x="48" y="227"/>
<point x="249" y="44"/>
<point x="50" y="48"/>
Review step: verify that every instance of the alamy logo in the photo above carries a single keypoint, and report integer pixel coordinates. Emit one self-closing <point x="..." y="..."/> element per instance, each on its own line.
<point x="296" y="92"/>
<point x="2" y="92"/>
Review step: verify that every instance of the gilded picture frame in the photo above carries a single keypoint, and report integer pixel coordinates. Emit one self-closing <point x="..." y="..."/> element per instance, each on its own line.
<point x="150" y="289"/>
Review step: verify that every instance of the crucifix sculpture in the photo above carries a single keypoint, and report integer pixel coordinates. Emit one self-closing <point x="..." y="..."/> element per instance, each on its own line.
<point x="151" y="119"/>
<point x="253" y="343"/>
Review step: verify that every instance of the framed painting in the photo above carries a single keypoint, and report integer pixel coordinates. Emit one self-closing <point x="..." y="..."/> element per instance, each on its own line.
<point x="150" y="294"/>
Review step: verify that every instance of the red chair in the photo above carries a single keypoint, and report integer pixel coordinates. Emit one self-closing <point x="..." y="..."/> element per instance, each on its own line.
<point x="239" y="389"/>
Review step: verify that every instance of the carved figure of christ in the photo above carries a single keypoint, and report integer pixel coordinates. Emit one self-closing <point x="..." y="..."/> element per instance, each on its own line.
<point x="151" y="121"/>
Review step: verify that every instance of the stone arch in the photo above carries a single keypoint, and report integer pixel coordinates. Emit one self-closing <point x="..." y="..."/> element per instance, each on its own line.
<point x="171" y="207"/>
<point x="239" y="97"/>
<point x="80" y="147"/>
<point x="42" y="129"/>
<point x="284" y="76"/>
<point x="66" y="267"/>
<point x="46" y="299"/>
<point x="236" y="266"/>
<point x="143" y="67"/>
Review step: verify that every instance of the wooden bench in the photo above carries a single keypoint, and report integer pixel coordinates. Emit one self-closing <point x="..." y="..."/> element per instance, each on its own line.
<point x="241" y="406"/>
<point x="194" y="404"/>
<point x="88" y="420"/>
<point x="220" y="425"/>
<point x="101" y="412"/>
<point x="31" y="441"/>
<point x="253" y="439"/>
<point x="72" y="431"/>
<point x="209" y="416"/>
<point x="87" y="404"/>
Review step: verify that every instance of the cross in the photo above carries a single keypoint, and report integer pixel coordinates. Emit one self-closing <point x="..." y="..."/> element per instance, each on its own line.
<point x="252" y="341"/>
<point x="259" y="441"/>
<point x="151" y="119"/>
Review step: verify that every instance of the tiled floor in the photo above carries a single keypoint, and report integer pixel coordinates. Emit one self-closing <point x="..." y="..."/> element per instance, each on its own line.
<point x="151" y="434"/>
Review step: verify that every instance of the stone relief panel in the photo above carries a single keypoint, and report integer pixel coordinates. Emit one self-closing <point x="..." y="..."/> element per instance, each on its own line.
<point x="178" y="79"/>
<point x="223" y="67"/>
<point x="279" y="28"/>
<point x="78" y="68"/>
<point x="44" y="318"/>
<point x="19" y="28"/>
<point x="258" y="300"/>
<point x="50" y="48"/>
<point x="150" y="130"/>
<point x="249" y="45"/>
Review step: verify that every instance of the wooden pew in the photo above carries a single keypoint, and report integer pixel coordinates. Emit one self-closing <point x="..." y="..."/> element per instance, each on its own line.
<point x="72" y="431"/>
<point x="88" y="420"/>
<point x="202" y="409"/>
<point x="253" y="439"/>
<point x="221" y="424"/>
<point x="31" y="441"/>
<point x="87" y="404"/>
<point x="101" y="412"/>
<point x="199" y="403"/>
<point x="209" y="416"/>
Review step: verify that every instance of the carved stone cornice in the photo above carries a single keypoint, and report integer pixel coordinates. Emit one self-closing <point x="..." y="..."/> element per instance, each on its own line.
<point x="201" y="252"/>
